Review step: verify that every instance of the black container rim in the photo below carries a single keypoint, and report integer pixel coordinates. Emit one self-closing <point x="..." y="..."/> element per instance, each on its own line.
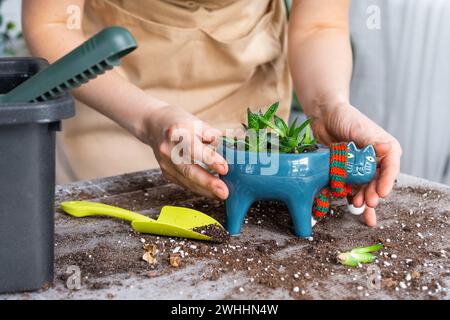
<point x="36" y="112"/>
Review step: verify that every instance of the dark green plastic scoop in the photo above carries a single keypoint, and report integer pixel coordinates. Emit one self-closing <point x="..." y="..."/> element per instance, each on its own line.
<point x="100" y="53"/>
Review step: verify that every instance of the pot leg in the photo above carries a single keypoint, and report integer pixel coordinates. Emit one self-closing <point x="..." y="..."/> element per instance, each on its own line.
<point x="236" y="208"/>
<point x="300" y="209"/>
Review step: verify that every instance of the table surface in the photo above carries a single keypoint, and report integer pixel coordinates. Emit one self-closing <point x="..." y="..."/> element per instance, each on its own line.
<point x="265" y="262"/>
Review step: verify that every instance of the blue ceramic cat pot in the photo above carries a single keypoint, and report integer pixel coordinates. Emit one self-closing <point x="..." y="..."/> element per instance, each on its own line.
<point x="294" y="179"/>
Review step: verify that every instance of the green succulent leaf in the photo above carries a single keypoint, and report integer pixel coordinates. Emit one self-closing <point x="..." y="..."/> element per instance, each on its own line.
<point x="261" y="124"/>
<point x="289" y="141"/>
<point x="303" y="146"/>
<point x="363" y="257"/>
<point x="307" y="139"/>
<point x="271" y="111"/>
<point x="347" y="259"/>
<point x="303" y="126"/>
<point x="271" y="126"/>
<point x="281" y="125"/>
<point x="299" y="139"/>
<point x="252" y="120"/>
<point x="292" y="128"/>
<point x="355" y="259"/>
<point x="372" y="248"/>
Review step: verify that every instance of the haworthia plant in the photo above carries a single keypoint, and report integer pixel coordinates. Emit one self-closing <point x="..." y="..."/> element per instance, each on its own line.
<point x="291" y="139"/>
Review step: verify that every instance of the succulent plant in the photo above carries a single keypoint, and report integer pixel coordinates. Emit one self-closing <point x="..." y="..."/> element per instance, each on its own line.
<point x="357" y="256"/>
<point x="291" y="139"/>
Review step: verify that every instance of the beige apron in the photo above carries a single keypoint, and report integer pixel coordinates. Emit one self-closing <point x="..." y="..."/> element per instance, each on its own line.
<point x="213" y="58"/>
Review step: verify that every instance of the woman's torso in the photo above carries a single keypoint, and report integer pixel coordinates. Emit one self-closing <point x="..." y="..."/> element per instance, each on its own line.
<point x="213" y="58"/>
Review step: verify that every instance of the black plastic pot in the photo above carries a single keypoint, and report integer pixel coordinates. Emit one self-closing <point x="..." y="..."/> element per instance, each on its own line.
<point x="27" y="180"/>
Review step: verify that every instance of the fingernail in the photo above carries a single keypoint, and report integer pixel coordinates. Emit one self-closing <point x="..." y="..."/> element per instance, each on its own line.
<point x="225" y="167"/>
<point x="219" y="192"/>
<point x="222" y="168"/>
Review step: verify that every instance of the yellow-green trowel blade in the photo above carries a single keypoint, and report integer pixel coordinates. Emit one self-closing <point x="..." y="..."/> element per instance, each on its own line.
<point x="185" y="217"/>
<point x="166" y="230"/>
<point x="178" y="222"/>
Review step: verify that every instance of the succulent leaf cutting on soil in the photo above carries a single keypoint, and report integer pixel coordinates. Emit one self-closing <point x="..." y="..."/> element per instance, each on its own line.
<point x="359" y="255"/>
<point x="291" y="139"/>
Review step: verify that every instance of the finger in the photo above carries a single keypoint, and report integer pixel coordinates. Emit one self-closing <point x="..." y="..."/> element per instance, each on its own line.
<point x="193" y="151"/>
<point x="170" y="173"/>
<point x="197" y="178"/>
<point x="211" y="136"/>
<point x="382" y="149"/>
<point x="371" y="196"/>
<point x="206" y="154"/>
<point x="181" y="181"/>
<point x="389" y="170"/>
<point x="358" y="198"/>
<point x="170" y="177"/>
<point x="370" y="217"/>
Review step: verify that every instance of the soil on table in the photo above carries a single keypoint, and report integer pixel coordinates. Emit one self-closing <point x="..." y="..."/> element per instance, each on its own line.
<point x="217" y="234"/>
<point x="412" y="227"/>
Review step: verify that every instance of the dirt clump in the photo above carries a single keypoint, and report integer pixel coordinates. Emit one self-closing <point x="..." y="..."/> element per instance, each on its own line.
<point x="217" y="233"/>
<point x="150" y="251"/>
<point x="175" y="260"/>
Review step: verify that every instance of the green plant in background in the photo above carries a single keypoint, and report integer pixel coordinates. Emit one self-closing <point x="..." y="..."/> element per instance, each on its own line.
<point x="358" y="256"/>
<point x="291" y="139"/>
<point x="7" y="35"/>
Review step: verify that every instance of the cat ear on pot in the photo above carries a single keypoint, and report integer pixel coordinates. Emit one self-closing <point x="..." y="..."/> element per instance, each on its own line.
<point x="370" y="149"/>
<point x="352" y="146"/>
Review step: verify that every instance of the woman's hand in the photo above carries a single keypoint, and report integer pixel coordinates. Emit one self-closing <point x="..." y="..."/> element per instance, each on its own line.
<point x="181" y="142"/>
<point x="346" y="123"/>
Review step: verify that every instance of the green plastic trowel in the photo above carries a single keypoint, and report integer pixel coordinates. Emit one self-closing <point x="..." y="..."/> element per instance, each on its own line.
<point x="95" y="56"/>
<point x="172" y="221"/>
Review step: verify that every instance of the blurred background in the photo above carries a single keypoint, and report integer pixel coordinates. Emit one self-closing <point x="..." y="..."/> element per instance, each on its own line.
<point x="11" y="40"/>
<point x="401" y="78"/>
<point x="401" y="75"/>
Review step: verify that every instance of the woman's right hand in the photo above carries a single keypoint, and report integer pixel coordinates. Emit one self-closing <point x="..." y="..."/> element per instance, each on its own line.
<point x="150" y="119"/>
<point x="181" y="142"/>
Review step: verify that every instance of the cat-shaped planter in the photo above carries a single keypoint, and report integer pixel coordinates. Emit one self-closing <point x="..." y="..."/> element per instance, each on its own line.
<point x="294" y="179"/>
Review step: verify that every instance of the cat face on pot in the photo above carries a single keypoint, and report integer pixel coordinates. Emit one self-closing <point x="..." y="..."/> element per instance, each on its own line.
<point x="361" y="164"/>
